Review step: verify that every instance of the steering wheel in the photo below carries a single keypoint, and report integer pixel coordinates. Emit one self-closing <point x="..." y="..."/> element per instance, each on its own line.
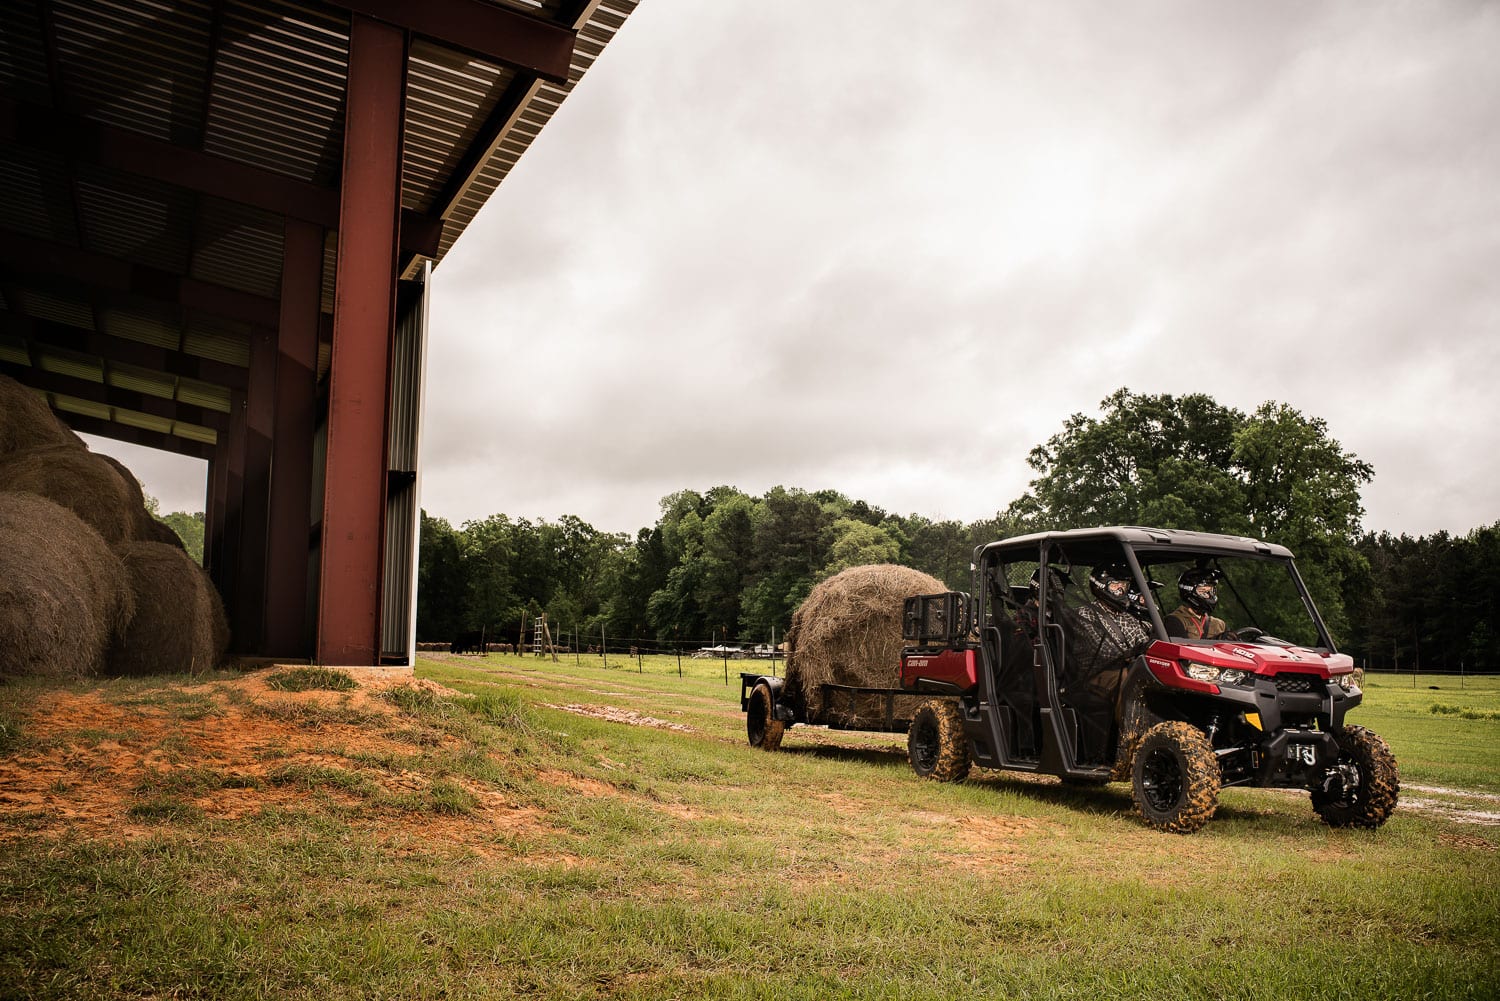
<point x="1249" y="634"/>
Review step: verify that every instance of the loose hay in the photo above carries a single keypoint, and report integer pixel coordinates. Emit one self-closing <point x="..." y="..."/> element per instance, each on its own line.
<point x="179" y="625"/>
<point x="64" y="596"/>
<point x="848" y="632"/>
<point x="27" y="422"/>
<point x="77" y="479"/>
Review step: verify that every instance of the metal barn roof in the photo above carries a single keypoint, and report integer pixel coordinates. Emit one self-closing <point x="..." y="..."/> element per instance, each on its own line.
<point x="151" y="153"/>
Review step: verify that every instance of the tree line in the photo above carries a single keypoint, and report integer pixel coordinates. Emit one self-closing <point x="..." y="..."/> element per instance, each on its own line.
<point x="723" y="564"/>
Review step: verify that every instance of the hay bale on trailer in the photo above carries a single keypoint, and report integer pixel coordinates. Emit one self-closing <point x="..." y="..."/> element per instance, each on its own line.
<point x="179" y="625"/>
<point x="848" y="632"/>
<point x="26" y="422"/>
<point x="77" y="479"/>
<point x="64" y="596"/>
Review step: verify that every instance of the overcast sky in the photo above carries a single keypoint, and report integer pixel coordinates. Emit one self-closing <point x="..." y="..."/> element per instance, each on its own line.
<point x="888" y="248"/>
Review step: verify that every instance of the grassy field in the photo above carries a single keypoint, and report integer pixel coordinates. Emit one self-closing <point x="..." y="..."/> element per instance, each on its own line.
<point x="570" y="831"/>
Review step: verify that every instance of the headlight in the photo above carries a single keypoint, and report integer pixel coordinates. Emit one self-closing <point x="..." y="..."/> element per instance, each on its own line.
<point x="1232" y="676"/>
<point x="1200" y="672"/>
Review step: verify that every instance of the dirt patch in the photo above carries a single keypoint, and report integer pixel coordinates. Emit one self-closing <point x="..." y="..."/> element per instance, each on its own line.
<point x="577" y="783"/>
<point x="229" y="750"/>
<point x="615" y="714"/>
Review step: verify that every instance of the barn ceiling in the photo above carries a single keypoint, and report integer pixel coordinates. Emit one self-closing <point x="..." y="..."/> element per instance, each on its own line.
<point x="152" y="153"/>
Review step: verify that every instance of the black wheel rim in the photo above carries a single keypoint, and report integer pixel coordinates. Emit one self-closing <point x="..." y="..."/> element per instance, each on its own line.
<point x="924" y="746"/>
<point x="1161" y="780"/>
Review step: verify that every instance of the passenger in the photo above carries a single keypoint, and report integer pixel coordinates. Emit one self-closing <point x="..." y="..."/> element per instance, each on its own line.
<point x="1199" y="589"/>
<point x="1108" y="629"/>
<point x="1105" y="636"/>
<point x="1057" y="586"/>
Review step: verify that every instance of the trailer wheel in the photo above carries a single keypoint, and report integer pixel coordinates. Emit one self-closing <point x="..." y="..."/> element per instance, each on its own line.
<point x="1361" y="790"/>
<point x="936" y="744"/>
<point x="1176" y="778"/>
<point x="762" y="728"/>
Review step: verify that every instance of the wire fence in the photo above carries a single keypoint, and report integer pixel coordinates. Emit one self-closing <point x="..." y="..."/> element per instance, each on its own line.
<point x="625" y="651"/>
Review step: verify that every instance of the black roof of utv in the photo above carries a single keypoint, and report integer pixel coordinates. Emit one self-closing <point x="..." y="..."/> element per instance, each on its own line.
<point x="1133" y="535"/>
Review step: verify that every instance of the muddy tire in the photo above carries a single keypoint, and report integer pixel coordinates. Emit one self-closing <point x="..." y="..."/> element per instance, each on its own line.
<point x="1175" y="778"/>
<point x="1369" y="803"/>
<point x="935" y="743"/>
<point x="761" y="728"/>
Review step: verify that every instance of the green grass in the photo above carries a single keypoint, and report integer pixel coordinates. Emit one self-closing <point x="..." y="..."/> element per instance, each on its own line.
<point x="662" y="863"/>
<point x="304" y="679"/>
<point x="1460" y="749"/>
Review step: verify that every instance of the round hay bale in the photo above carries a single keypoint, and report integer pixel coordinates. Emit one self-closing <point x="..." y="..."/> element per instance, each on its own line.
<point x="848" y="632"/>
<point x="146" y="527"/>
<point x="179" y="625"/>
<point x="80" y="481"/>
<point x="27" y="422"/>
<point x="64" y="596"/>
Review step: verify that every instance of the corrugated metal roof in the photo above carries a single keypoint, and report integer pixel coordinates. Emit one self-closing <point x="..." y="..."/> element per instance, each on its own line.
<point x="115" y="114"/>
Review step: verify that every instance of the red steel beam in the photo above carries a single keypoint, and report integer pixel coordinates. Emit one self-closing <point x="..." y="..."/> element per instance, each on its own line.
<point x="27" y="255"/>
<point x="123" y="349"/>
<point x="233" y="456"/>
<point x="190" y="447"/>
<point x="483" y="29"/>
<point x="114" y="396"/>
<point x="81" y="140"/>
<point x="260" y="410"/>
<point x="363" y="320"/>
<point x="292" y="437"/>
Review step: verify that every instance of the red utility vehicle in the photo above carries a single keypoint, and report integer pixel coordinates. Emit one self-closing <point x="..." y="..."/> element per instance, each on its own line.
<point x="1038" y="671"/>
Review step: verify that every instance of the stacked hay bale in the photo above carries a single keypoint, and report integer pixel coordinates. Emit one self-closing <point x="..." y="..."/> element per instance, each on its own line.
<point x="64" y="596"/>
<point x="848" y="632"/>
<point x="92" y="582"/>
<point x="27" y="422"/>
<point x="78" y="480"/>
<point x="179" y="625"/>
<point x="146" y="528"/>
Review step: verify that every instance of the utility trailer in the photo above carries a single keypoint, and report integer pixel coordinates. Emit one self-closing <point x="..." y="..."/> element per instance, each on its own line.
<point x="770" y="705"/>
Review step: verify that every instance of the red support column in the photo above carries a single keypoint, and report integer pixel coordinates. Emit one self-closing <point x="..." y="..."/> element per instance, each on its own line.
<point x="213" y="513"/>
<point x="231" y="513"/>
<point x="292" y="441"/>
<point x="260" y="410"/>
<point x="363" y="320"/>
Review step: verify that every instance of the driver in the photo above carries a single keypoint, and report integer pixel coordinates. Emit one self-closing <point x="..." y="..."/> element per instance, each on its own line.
<point x="1199" y="588"/>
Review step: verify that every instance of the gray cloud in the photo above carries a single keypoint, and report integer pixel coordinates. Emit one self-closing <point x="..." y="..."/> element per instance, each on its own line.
<point x="859" y="246"/>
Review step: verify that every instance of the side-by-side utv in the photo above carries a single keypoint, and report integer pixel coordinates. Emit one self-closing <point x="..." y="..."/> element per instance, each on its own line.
<point x="1182" y="661"/>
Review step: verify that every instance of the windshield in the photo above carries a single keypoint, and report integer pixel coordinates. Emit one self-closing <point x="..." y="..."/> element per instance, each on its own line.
<point x="1248" y="594"/>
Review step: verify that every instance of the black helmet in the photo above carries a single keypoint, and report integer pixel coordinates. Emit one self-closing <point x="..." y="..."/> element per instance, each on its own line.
<point x="1057" y="582"/>
<point x="1199" y="588"/>
<point x="1138" y="606"/>
<point x="1111" y="583"/>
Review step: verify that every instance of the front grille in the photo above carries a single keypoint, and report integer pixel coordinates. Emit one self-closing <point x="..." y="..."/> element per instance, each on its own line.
<point x="1297" y="683"/>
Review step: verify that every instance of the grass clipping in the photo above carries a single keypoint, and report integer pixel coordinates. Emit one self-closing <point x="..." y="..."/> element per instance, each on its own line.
<point x="64" y="597"/>
<point x="848" y="632"/>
